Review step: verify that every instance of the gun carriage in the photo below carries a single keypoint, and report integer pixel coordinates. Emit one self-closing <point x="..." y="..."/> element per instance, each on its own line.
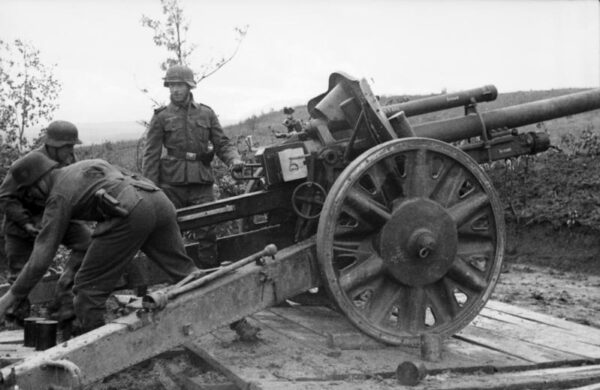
<point x="396" y="221"/>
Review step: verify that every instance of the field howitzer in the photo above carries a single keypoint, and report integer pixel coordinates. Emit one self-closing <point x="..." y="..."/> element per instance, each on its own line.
<point x="409" y="230"/>
<point x="396" y="221"/>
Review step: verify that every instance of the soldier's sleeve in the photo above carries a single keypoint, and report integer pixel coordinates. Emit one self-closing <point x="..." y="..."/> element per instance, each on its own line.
<point x="55" y="222"/>
<point x="153" y="149"/>
<point x="10" y="202"/>
<point x="224" y="148"/>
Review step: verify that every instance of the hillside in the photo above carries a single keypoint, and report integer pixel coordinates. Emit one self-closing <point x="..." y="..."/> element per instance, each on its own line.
<point x="96" y="133"/>
<point x="551" y="200"/>
<point x="552" y="209"/>
<point x="549" y="188"/>
<point x="262" y="127"/>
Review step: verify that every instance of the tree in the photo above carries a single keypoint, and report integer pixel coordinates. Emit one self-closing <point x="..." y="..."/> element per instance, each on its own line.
<point x="28" y="95"/>
<point x="171" y="33"/>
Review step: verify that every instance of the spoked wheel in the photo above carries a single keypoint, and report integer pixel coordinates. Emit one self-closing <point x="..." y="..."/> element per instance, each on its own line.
<point x="411" y="240"/>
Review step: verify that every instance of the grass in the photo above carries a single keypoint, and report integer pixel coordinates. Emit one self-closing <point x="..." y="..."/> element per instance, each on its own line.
<point x="262" y="127"/>
<point x="577" y="134"/>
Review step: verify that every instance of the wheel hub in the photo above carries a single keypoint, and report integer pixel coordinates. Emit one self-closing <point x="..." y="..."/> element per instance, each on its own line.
<point x="418" y="244"/>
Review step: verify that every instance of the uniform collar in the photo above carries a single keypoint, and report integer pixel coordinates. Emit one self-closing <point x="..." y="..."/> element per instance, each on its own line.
<point x="191" y="103"/>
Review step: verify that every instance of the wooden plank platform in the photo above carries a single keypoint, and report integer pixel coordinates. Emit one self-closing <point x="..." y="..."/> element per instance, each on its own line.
<point x="307" y="347"/>
<point x="313" y="347"/>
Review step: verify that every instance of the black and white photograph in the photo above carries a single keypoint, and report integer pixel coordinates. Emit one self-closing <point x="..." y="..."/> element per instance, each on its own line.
<point x="302" y="195"/>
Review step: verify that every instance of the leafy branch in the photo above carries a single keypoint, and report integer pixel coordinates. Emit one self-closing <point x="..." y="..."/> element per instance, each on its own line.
<point x="170" y="33"/>
<point x="28" y="95"/>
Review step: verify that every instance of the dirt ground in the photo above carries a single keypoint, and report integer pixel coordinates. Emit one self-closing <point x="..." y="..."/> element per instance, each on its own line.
<point x="552" y="271"/>
<point x="548" y="270"/>
<point x="551" y="265"/>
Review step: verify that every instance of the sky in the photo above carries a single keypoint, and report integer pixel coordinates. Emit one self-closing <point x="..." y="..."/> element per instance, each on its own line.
<point x="103" y="55"/>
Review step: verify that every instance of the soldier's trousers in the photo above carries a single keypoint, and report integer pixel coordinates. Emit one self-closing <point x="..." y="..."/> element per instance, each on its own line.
<point x="150" y="227"/>
<point x="206" y="237"/>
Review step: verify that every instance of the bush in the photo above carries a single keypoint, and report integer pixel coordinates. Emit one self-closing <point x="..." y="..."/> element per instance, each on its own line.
<point x="552" y="188"/>
<point x="586" y="144"/>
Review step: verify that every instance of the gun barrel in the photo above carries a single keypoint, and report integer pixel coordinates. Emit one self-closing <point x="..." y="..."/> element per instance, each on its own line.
<point x="460" y="128"/>
<point x="442" y="102"/>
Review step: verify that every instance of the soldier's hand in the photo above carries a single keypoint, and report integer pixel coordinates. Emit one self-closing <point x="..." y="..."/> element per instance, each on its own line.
<point x="6" y="302"/>
<point x="65" y="281"/>
<point x="237" y="166"/>
<point x="31" y="229"/>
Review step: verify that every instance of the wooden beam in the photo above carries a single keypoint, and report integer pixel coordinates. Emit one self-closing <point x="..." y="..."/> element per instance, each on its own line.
<point x="141" y="335"/>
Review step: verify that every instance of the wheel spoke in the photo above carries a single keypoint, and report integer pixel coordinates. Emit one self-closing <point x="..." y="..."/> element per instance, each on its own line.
<point x="467" y="276"/>
<point x="411" y="315"/>
<point x="418" y="175"/>
<point x="449" y="182"/>
<point x="367" y="207"/>
<point x="361" y="295"/>
<point x="407" y="195"/>
<point x="468" y="207"/>
<point x="479" y="225"/>
<point x="391" y="167"/>
<point x="386" y="180"/>
<point x="350" y="222"/>
<point x="468" y="247"/>
<point x="309" y="199"/>
<point x="361" y="272"/>
<point x="382" y="302"/>
<point x="348" y="252"/>
<point x="443" y="303"/>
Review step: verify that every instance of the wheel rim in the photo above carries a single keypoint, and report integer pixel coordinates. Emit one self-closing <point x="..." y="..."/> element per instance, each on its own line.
<point x="411" y="240"/>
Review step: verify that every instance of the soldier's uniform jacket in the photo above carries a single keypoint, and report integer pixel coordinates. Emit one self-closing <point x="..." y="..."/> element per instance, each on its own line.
<point x="73" y="196"/>
<point x="177" y="145"/>
<point x="18" y="210"/>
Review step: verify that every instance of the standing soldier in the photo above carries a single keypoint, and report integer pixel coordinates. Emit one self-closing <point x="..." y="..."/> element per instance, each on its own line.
<point x="291" y="123"/>
<point x="180" y="145"/>
<point x="23" y="216"/>
<point x="132" y="214"/>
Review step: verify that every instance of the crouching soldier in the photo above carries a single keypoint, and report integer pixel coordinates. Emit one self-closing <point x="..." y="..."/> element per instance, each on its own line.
<point x="22" y="218"/>
<point x="132" y="215"/>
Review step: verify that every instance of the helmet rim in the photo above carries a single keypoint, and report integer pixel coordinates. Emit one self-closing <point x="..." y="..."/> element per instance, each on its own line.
<point x="31" y="168"/>
<point x="179" y="74"/>
<point x="60" y="133"/>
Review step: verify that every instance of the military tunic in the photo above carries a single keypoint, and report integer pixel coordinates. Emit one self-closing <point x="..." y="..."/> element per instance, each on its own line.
<point x="177" y="149"/>
<point x="150" y="226"/>
<point x="19" y="211"/>
<point x="177" y="157"/>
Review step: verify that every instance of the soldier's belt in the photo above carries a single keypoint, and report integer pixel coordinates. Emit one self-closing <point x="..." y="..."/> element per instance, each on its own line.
<point x="189" y="156"/>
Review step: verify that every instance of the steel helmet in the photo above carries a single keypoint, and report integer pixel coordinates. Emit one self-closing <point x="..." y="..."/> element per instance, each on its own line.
<point x="61" y="133"/>
<point x="179" y="74"/>
<point x="30" y="168"/>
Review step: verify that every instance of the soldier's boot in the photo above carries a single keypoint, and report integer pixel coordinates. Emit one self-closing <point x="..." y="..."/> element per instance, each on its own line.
<point x="62" y="311"/>
<point x="245" y="330"/>
<point x="137" y="276"/>
<point x="80" y="326"/>
<point x="90" y="307"/>
<point x="75" y="329"/>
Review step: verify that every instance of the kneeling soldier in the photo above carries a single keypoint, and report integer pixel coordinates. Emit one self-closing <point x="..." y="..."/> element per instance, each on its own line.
<point x="132" y="215"/>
